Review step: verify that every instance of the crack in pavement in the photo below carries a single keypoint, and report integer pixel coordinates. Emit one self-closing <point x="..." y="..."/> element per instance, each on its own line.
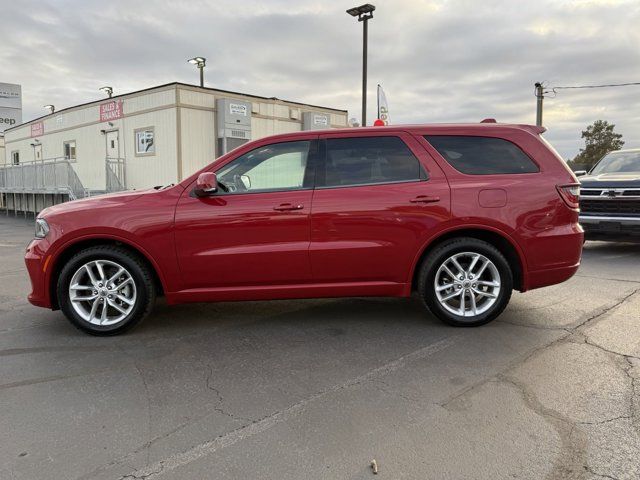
<point x="134" y="476"/>
<point x="601" y="475"/>
<point x="218" y="408"/>
<point x="576" y="325"/>
<point x="255" y="427"/>
<point x="146" y="392"/>
<point x="603" y="312"/>
<point x="572" y="458"/>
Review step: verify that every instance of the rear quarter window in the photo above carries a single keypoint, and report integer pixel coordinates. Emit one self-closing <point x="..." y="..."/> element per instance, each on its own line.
<point x="482" y="155"/>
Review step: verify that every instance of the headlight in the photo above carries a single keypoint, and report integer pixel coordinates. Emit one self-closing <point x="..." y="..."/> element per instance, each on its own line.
<point x="42" y="228"/>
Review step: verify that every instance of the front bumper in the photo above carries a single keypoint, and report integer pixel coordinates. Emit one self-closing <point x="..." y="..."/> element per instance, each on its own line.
<point x="607" y="227"/>
<point x="37" y="262"/>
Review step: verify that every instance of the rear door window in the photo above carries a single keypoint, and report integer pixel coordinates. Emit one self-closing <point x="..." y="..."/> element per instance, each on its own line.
<point x="367" y="161"/>
<point x="482" y="155"/>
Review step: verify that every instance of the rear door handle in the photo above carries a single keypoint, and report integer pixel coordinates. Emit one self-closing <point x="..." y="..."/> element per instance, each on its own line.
<point x="288" y="206"/>
<point x="425" y="199"/>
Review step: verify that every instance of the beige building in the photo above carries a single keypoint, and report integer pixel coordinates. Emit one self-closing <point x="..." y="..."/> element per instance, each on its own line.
<point x="138" y="140"/>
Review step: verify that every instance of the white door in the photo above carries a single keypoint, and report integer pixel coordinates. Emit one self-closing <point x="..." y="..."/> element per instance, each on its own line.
<point x="37" y="152"/>
<point x="113" y="145"/>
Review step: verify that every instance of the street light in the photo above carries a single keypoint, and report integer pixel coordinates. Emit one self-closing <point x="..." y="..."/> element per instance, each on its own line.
<point x="107" y="90"/>
<point x="364" y="13"/>
<point x="200" y="63"/>
<point x="51" y="108"/>
<point x="34" y="144"/>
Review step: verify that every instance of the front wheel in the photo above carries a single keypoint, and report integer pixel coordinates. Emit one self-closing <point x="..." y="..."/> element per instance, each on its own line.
<point x="105" y="290"/>
<point x="465" y="282"/>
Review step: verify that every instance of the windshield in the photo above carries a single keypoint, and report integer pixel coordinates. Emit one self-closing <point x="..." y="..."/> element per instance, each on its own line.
<point x="618" y="162"/>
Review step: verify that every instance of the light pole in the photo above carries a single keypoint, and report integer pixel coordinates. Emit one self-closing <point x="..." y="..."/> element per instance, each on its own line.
<point x="36" y="143"/>
<point x="199" y="62"/>
<point x="364" y="13"/>
<point x="107" y="90"/>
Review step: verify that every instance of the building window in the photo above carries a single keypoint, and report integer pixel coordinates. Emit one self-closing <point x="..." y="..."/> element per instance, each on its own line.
<point x="145" y="141"/>
<point x="69" y="150"/>
<point x="15" y="157"/>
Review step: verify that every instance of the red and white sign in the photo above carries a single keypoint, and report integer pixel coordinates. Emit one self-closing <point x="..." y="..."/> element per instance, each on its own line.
<point x="111" y="111"/>
<point x="37" y="129"/>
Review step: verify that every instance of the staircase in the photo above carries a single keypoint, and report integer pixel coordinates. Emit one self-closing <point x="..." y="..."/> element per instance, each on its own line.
<point x="30" y="187"/>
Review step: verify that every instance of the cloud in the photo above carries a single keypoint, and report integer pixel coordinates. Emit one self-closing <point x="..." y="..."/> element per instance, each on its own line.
<point x="439" y="61"/>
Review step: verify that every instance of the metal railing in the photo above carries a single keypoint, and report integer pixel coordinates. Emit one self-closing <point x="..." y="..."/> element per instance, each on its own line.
<point x="115" y="174"/>
<point x="51" y="175"/>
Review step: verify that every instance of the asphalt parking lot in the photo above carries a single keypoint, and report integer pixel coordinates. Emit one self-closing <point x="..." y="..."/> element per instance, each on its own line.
<point x="319" y="388"/>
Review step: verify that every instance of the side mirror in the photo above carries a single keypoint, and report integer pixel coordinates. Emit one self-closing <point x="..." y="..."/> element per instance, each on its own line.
<point x="580" y="173"/>
<point x="207" y="184"/>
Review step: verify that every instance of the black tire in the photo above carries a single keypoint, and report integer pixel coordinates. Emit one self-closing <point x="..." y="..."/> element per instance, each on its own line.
<point x="139" y="271"/>
<point x="433" y="261"/>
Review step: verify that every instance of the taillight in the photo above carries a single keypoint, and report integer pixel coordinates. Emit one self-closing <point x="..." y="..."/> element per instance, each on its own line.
<point x="570" y="194"/>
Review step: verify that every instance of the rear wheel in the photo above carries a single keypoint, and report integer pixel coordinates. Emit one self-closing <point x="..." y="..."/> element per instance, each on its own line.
<point x="105" y="290"/>
<point x="465" y="282"/>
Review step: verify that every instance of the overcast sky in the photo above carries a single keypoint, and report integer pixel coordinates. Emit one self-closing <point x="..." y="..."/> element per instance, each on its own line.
<point x="438" y="61"/>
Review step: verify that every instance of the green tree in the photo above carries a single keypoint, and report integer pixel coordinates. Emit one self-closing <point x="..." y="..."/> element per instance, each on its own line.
<point x="599" y="139"/>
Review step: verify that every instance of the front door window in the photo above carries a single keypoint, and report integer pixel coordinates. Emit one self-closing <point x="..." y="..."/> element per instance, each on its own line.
<point x="275" y="167"/>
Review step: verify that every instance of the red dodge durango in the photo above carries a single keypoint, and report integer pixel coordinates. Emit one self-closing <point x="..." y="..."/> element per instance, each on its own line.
<point x="461" y="214"/>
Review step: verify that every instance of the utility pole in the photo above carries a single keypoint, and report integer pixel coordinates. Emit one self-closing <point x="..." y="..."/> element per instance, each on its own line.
<point x="539" y="101"/>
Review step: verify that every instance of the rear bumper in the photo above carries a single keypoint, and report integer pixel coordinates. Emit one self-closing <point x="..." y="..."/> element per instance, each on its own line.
<point x="601" y="227"/>
<point x="558" y="254"/>
<point x="552" y="276"/>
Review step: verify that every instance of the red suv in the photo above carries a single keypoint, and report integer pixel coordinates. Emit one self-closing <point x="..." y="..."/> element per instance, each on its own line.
<point x="460" y="214"/>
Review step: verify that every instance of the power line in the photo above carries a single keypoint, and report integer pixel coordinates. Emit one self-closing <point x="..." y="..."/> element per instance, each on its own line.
<point x="541" y="91"/>
<point x="598" y="86"/>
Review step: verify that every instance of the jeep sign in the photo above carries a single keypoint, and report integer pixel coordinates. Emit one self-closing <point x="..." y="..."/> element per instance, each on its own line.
<point x="10" y="105"/>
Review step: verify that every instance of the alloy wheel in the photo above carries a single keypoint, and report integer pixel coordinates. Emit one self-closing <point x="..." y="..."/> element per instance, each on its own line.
<point x="467" y="284"/>
<point x="102" y="292"/>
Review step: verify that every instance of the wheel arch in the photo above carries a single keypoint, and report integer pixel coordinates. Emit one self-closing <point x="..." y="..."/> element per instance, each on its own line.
<point x="500" y="240"/>
<point x="70" y="249"/>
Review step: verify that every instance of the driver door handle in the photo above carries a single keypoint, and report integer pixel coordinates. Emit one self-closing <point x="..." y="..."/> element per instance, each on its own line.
<point x="288" y="206"/>
<point x="425" y="199"/>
